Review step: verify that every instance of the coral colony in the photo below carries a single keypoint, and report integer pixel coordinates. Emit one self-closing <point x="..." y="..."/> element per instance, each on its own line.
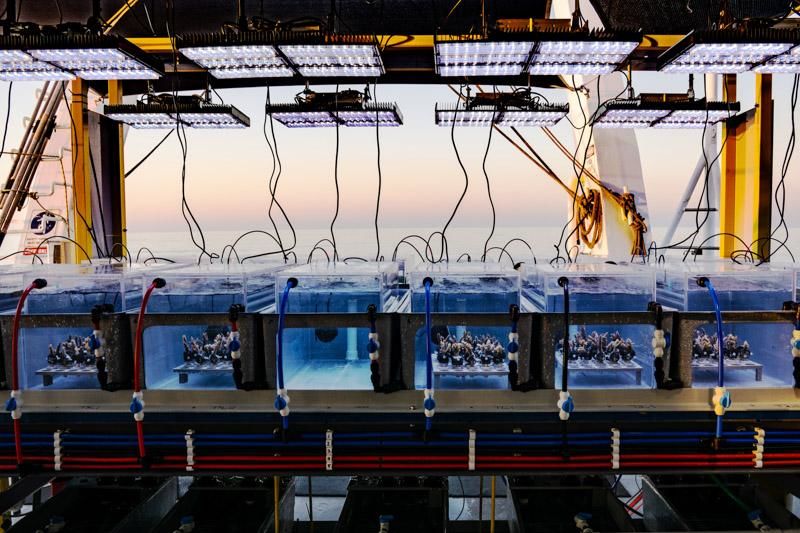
<point x="74" y="351"/>
<point x="483" y="350"/>
<point x="705" y="346"/>
<point x="602" y="348"/>
<point x="205" y="351"/>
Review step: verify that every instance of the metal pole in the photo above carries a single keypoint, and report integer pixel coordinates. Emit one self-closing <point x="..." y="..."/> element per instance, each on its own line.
<point x="711" y="147"/>
<point x="276" y="488"/>
<point x="480" y="506"/>
<point x="684" y="201"/>
<point x="491" y="517"/>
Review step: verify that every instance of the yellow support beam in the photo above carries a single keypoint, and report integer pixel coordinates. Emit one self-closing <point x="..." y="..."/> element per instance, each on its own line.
<point x="81" y="171"/>
<point x="115" y="98"/>
<point x="746" y="176"/>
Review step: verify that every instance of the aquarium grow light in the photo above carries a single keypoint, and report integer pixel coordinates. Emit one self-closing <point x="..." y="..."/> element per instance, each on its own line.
<point x="349" y="108"/>
<point x="520" y="107"/>
<point x="663" y="111"/>
<point x="481" y="57"/>
<point x="192" y="112"/>
<point x="256" y="54"/>
<point x="581" y="52"/>
<point x="67" y="56"/>
<point x="734" y="50"/>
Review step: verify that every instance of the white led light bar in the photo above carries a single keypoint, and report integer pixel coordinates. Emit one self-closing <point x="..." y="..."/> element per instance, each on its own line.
<point x="663" y="114"/>
<point x="587" y="53"/>
<point x="481" y="58"/>
<point x="197" y="114"/>
<point x="243" y="61"/>
<point x="788" y="63"/>
<point x="540" y="116"/>
<point x="731" y="51"/>
<point x="305" y="116"/>
<point x="334" y="60"/>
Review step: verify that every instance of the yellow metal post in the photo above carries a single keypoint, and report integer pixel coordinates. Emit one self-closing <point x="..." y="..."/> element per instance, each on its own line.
<point x="120" y="221"/>
<point x="746" y="177"/>
<point x="81" y="171"/>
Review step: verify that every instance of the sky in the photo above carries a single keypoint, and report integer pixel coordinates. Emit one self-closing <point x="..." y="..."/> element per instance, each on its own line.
<point x="227" y="171"/>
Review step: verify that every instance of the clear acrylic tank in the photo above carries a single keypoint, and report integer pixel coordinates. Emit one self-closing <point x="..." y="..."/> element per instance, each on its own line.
<point x="182" y="349"/>
<point x="214" y="288"/>
<point x="755" y="354"/>
<point x="330" y="357"/>
<point x="593" y="287"/>
<point x="465" y="356"/>
<point x="599" y="355"/>
<point x="11" y="280"/>
<point x="55" y="352"/>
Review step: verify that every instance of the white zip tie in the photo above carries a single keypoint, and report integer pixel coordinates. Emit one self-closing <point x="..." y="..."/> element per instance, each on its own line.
<point x="57" y="450"/>
<point x="329" y="450"/>
<point x="189" y="450"/>
<point x="472" y="437"/>
<point x="615" y="443"/>
<point x="659" y="343"/>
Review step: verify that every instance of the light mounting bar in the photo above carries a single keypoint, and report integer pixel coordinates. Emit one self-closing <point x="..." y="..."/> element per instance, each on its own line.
<point x="663" y="111"/>
<point x="164" y="111"/>
<point x="348" y="108"/>
<point x="517" y="108"/>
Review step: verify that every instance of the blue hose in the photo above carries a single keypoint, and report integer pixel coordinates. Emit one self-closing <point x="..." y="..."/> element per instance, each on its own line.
<point x="705" y="282"/>
<point x="280" y="402"/>
<point x="428" y="350"/>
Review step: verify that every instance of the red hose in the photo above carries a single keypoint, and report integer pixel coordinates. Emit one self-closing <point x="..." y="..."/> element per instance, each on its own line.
<point x="680" y="456"/>
<point x="36" y="284"/>
<point x="137" y="356"/>
<point x="684" y="464"/>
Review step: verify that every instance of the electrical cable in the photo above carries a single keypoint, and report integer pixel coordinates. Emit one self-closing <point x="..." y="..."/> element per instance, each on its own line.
<point x="151" y="152"/>
<point x="489" y="190"/>
<point x="378" y="256"/>
<point x="8" y="116"/>
<point x="336" y="176"/>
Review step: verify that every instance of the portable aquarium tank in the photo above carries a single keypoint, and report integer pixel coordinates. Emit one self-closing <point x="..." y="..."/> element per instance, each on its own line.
<point x="602" y="352"/>
<point x="322" y="354"/>
<point x="73" y="334"/>
<point x="469" y="351"/>
<point x="11" y="280"/>
<point x="756" y="353"/>
<point x="190" y="322"/>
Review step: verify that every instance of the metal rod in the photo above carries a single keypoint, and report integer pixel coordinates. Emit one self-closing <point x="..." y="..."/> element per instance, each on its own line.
<point x="491" y="517"/>
<point x="310" y="505"/>
<point x="480" y="506"/>
<point x="276" y="487"/>
<point x="684" y="201"/>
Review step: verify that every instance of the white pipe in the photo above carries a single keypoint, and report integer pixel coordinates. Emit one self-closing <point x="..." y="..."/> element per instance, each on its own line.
<point x="684" y="201"/>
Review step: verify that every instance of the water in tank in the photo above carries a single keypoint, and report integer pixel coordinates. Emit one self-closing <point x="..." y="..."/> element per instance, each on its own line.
<point x="598" y="356"/>
<point x="214" y="288"/>
<point x="11" y="280"/>
<point x="328" y="356"/>
<point x="182" y="353"/>
<point x="60" y="353"/>
<point x="755" y="354"/>
<point x="465" y="356"/>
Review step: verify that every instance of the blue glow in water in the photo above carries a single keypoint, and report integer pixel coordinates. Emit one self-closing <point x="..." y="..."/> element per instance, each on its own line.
<point x="326" y="359"/>
<point x="607" y="375"/>
<point x="165" y="302"/>
<point x="770" y="362"/>
<point x="70" y="302"/>
<point x="304" y="300"/>
<point x="455" y="301"/>
<point x="34" y="368"/>
<point x="162" y="350"/>
<point x="582" y="302"/>
<point x="737" y="300"/>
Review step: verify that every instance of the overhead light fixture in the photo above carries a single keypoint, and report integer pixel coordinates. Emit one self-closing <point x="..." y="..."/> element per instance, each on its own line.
<point x="481" y="57"/>
<point x="734" y="50"/>
<point x="663" y="111"/>
<point x="67" y="56"/>
<point x="348" y="108"/>
<point x="356" y="59"/>
<point x="261" y="54"/>
<point x="164" y="112"/>
<point x="583" y="52"/>
<point x="517" y="108"/>
<point x="236" y="55"/>
<point x="554" y="51"/>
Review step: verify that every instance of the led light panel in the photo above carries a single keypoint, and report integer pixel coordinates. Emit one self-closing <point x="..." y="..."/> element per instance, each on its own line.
<point x="731" y="51"/>
<point x="482" y="58"/>
<point x="580" y="53"/>
<point x="326" y="60"/>
<point x="100" y="58"/>
<point x="303" y="116"/>
<point x="541" y="116"/>
<point x="199" y="115"/>
<point x="16" y="65"/>
<point x="244" y="61"/>
<point x="788" y="63"/>
<point x="636" y="113"/>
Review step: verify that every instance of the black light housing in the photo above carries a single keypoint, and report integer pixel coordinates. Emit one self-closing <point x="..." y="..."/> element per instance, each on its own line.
<point x="167" y="112"/>
<point x="663" y="112"/>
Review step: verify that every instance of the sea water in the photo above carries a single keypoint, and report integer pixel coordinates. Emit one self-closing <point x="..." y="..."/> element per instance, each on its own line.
<point x="465" y="288"/>
<point x="329" y="357"/>
<point x="36" y="373"/>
